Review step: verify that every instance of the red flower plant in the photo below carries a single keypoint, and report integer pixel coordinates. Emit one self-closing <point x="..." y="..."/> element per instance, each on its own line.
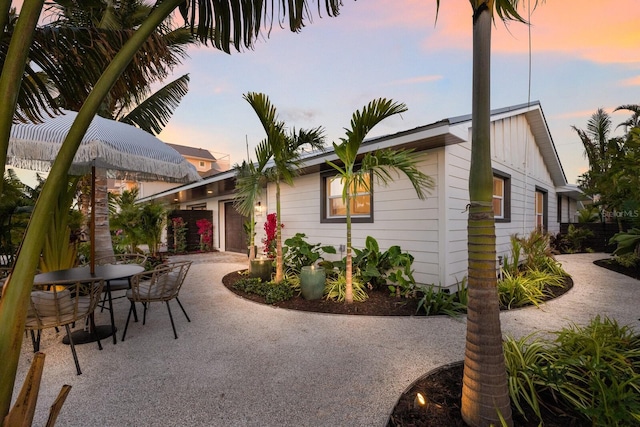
<point x="205" y="230"/>
<point x="270" y="230"/>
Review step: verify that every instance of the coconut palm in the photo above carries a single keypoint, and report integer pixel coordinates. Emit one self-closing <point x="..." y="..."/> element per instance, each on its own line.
<point x="284" y="149"/>
<point x="237" y="24"/>
<point x="375" y="164"/>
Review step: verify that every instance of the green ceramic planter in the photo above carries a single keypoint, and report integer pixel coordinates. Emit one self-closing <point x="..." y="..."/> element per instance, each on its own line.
<point x="312" y="281"/>
<point x="262" y="268"/>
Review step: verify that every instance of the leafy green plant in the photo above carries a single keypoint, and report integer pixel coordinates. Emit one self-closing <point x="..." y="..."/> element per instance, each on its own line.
<point x="523" y="357"/>
<point x="299" y="253"/>
<point x="378" y="268"/>
<point x="527" y="288"/>
<point x="627" y="242"/>
<point x="596" y="369"/>
<point x="336" y="288"/>
<point x="588" y="214"/>
<point x="629" y="260"/>
<point x="271" y="291"/>
<point x="436" y="301"/>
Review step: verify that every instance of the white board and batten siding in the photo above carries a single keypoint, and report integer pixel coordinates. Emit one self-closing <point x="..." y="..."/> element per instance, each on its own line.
<point x="514" y="153"/>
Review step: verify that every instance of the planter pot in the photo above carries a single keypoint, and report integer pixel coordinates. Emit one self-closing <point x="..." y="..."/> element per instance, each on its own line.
<point x="261" y="267"/>
<point x="312" y="281"/>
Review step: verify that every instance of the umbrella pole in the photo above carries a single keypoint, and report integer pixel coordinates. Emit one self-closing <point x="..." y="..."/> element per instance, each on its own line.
<point x="92" y="225"/>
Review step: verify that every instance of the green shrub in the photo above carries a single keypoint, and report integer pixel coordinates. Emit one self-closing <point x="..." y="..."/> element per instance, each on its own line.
<point x="628" y="260"/>
<point x="272" y="292"/>
<point x="529" y="287"/>
<point x="523" y="358"/>
<point x="596" y="369"/>
<point x="593" y="369"/>
<point x="336" y="287"/>
<point x="434" y="302"/>
<point x="299" y="253"/>
<point x="377" y="269"/>
<point x="628" y="242"/>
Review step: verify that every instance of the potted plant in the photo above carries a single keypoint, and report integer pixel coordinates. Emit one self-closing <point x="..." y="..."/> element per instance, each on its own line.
<point x="301" y="257"/>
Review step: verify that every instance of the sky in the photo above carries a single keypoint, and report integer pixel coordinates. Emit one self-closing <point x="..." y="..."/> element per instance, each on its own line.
<point x="584" y="55"/>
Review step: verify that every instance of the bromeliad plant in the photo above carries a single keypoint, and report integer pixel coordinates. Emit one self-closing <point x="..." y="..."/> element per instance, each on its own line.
<point x="270" y="230"/>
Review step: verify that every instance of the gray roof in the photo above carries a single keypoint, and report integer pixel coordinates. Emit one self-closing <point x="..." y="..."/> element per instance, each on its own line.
<point x="187" y="151"/>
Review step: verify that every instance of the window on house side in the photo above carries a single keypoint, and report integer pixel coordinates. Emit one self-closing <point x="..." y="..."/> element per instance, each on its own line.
<point x="539" y="206"/>
<point x="498" y="197"/>
<point x="334" y="209"/>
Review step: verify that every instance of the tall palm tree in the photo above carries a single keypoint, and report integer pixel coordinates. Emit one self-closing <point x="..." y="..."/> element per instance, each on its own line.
<point x="485" y="394"/>
<point x="237" y="24"/>
<point x="373" y="165"/>
<point x="284" y="149"/>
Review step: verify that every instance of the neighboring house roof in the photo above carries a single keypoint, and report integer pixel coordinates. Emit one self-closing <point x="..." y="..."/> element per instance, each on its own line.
<point x="449" y="131"/>
<point x="187" y="151"/>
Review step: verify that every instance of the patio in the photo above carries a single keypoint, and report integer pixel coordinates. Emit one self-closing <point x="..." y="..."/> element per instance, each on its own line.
<point x="242" y="364"/>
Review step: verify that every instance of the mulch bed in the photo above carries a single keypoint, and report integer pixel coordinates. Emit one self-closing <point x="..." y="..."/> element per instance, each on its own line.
<point x="611" y="264"/>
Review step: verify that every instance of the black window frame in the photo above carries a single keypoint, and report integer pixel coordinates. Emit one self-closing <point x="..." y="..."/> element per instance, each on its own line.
<point x="506" y="198"/>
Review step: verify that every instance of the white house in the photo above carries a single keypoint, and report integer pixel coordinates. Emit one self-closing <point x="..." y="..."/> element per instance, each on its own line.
<point x="530" y="190"/>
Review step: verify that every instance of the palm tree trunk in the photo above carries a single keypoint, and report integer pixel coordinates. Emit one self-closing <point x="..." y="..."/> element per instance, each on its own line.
<point x="102" y="244"/>
<point x="17" y="290"/>
<point x="348" y="294"/>
<point x="485" y="396"/>
<point x="279" y="261"/>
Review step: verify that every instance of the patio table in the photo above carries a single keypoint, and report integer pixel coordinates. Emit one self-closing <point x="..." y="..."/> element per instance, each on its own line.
<point x="107" y="272"/>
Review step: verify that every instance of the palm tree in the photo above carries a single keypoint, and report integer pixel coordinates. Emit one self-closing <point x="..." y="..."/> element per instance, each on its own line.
<point x="250" y="180"/>
<point x="237" y="24"/>
<point x="284" y="149"/>
<point x="376" y="164"/>
<point x="485" y="394"/>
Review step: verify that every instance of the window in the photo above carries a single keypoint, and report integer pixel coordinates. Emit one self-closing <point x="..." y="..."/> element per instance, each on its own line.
<point x="501" y="197"/>
<point x="498" y="197"/>
<point x="333" y="207"/>
<point x="201" y="163"/>
<point x="541" y="209"/>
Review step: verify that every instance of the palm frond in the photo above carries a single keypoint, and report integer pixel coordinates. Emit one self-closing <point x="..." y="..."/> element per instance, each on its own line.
<point x="153" y="114"/>
<point x="380" y="163"/>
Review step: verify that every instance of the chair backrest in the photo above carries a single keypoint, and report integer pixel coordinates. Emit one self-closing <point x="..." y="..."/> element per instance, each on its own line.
<point x="162" y="283"/>
<point x="62" y="302"/>
<point x="140" y="259"/>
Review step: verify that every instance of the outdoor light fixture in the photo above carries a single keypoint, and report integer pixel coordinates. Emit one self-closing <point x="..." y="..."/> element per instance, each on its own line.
<point x="420" y="401"/>
<point x="258" y="209"/>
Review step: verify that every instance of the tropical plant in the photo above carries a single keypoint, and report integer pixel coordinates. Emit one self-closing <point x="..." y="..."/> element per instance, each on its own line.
<point x="250" y="181"/>
<point x="391" y="269"/>
<point x="299" y="253"/>
<point x="527" y="287"/>
<point x="628" y="242"/>
<point x="336" y="288"/>
<point x="284" y="149"/>
<point x="179" y="235"/>
<point x="436" y="301"/>
<point x="237" y="29"/>
<point x="270" y="232"/>
<point x="61" y="241"/>
<point x="153" y="217"/>
<point x="375" y="165"/>
<point x="524" y="358"/>
<point x="16" y="204"/>
<point x="485" y="397"/>
<point x="576" y="238"/>
<point x="588" y="214"/>
<point x="205" y="230"/>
